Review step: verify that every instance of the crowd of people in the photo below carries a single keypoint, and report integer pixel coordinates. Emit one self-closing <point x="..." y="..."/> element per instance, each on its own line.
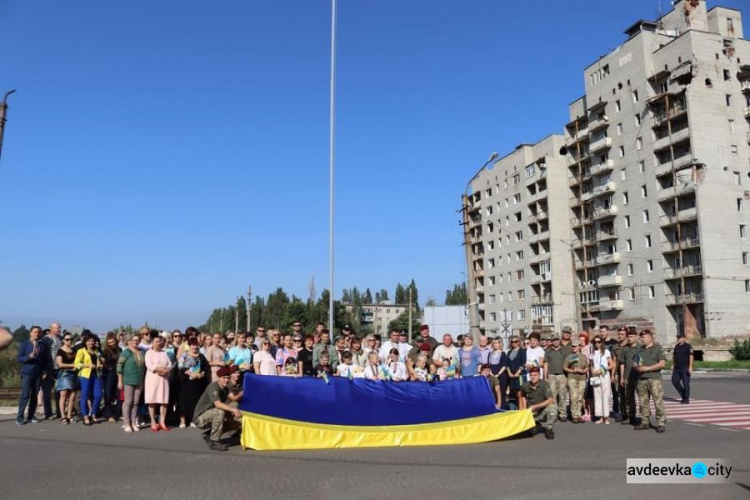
<point x="173" y="379"/>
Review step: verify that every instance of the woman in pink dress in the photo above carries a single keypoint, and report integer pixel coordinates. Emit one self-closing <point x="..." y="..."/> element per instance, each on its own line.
<point x="156" y="387"/>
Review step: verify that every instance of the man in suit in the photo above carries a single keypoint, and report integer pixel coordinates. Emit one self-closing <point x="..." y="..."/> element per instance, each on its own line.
<point x="34" y="358"/>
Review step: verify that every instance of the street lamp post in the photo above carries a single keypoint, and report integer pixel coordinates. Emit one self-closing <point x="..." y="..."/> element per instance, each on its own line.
<point x="3" y="111"/>
<point x="331" y="157"/>
<point x="472" y="298"/>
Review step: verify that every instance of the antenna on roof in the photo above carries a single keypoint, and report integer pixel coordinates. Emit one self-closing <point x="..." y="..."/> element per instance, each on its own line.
<point x="659" y="23"/>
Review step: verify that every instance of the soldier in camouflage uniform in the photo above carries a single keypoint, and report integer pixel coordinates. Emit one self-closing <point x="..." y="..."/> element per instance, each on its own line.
<point x="554" y="359"/>
<point x="649" y="365"/>
<point x="618" y="390"/>
<point x="576" y="365"/>
<point x="537" y="397"/>
<point x="628" y="376"/>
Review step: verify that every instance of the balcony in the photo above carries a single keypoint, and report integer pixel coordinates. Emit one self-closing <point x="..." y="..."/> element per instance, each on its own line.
<point x="686" y="243"/>
<point x="542" y="215"/>
<point x="607" y="188"/>
<point x="608" y="258"/>
<point x="536" y="259"/>
<point x="580" y="136"/>
<point x="597" y="123"/>
<point x="604" y="213"/>
<point x="678" y="190"/>
<point x="676" y="137"/>
<point x="606" y="234"/>
<point x="542" y="300"/>
<point x="674" y="112"/>
<point x="536" y="238"/>
<point x="602" y="167"/>
<point x="580" y="265"/>
<point x="608" y="281"/>
<point x="687" y="298"/>
<point x="578" y="221"/>
<point x="479" y="273"/>
<point x="590" y="307"/>
<point x="683" y="161"/>
<point x="611" y="305"/>
<point x="574" y="160"/>
<point x="745" y="86"/>
<point x="747" y="112"/>
<point x="539" y="195"/>
<point x="681" y="216"/>
<point x="540" y="278"/>
<point x="601" y="144"/>
<point x="684" y="271"/>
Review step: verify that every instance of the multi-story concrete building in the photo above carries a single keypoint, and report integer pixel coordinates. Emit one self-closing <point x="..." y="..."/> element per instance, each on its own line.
<point x="516" y="224"/>
<point x="376" y="317"/>
<point x="658" y="155"/>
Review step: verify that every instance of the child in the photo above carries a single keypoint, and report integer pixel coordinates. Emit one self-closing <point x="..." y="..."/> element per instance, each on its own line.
<point x="447" y="370"/>
<point x="346" y="369"/>
<point x="291" y="368"/>
<point x="421" y="372"/>
<point x="372" y="370"/>
<point x="396" y="368"/>
<point x="324" y="369"/>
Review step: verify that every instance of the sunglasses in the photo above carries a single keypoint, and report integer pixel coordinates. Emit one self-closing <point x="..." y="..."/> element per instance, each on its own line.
<point x="67" y="339"/>
<point x="514" y="342"/>
<point x="597" y="342"/>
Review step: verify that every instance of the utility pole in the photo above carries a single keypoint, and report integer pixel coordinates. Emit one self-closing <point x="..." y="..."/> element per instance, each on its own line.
<point x="410" y="290"/>
<point x="3" y="111"/>
<point x="237" y="316"/>
<point x="249" y="306"/>
<point x="576" y="288"/>
<point x="473" y="298"/>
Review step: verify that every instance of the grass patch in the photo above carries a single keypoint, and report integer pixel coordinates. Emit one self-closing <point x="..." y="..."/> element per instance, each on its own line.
<point x="722" y="365"/>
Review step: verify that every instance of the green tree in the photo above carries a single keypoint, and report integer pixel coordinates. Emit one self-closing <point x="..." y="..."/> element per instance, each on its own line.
<point x="414" y="297"/>
<point x="295" y="311"/>
<point x="367" y="297"/>
<point x="346" y="296"/>
<point x="457" y="296"/>
<point x="275" y="310"/>
<point x="21" y="334"/>
<point x="381" y="296"/>
<point x="400" y="294"/>
<point x="402" y="323"/>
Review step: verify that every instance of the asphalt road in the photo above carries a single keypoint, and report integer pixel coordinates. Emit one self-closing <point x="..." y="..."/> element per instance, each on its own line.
<point x="48" y="460"/>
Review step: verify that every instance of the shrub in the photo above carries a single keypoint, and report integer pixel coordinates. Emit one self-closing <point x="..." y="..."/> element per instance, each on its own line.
<point x="740" y="350"/>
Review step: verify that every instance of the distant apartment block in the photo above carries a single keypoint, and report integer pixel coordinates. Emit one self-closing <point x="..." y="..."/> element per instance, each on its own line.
<point x="656" y="186"/>
<point x="376" y="317"/>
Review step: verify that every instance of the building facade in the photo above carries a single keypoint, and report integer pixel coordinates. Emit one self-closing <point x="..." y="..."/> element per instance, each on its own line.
<point x="375" y="318"/>
<point x="517" y="228"/>
<point x="657" y="155"/>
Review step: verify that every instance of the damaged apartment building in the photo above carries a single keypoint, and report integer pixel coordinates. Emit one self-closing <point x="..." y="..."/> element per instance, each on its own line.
<point x="645" y="215"/>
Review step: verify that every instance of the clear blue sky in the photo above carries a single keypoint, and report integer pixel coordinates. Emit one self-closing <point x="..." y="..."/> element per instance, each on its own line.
<point x="161" y="156"/>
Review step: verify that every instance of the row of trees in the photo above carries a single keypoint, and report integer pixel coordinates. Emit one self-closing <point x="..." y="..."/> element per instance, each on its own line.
<point x="279" y="310"/>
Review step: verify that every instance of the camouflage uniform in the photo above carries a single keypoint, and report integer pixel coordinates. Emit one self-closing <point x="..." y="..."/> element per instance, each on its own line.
<point x="535" y="395"/>
<point x="554" y="360"/>
<point x="576" y="383"/>
<point x="649" y="384"/>
<point x="630" y="376"/>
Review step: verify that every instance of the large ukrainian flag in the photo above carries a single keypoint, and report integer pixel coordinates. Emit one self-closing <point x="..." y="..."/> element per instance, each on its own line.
<point x="285" y="413"/>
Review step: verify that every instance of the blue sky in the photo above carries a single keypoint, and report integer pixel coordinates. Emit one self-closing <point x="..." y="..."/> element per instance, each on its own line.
<point x="161" y="156"/>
